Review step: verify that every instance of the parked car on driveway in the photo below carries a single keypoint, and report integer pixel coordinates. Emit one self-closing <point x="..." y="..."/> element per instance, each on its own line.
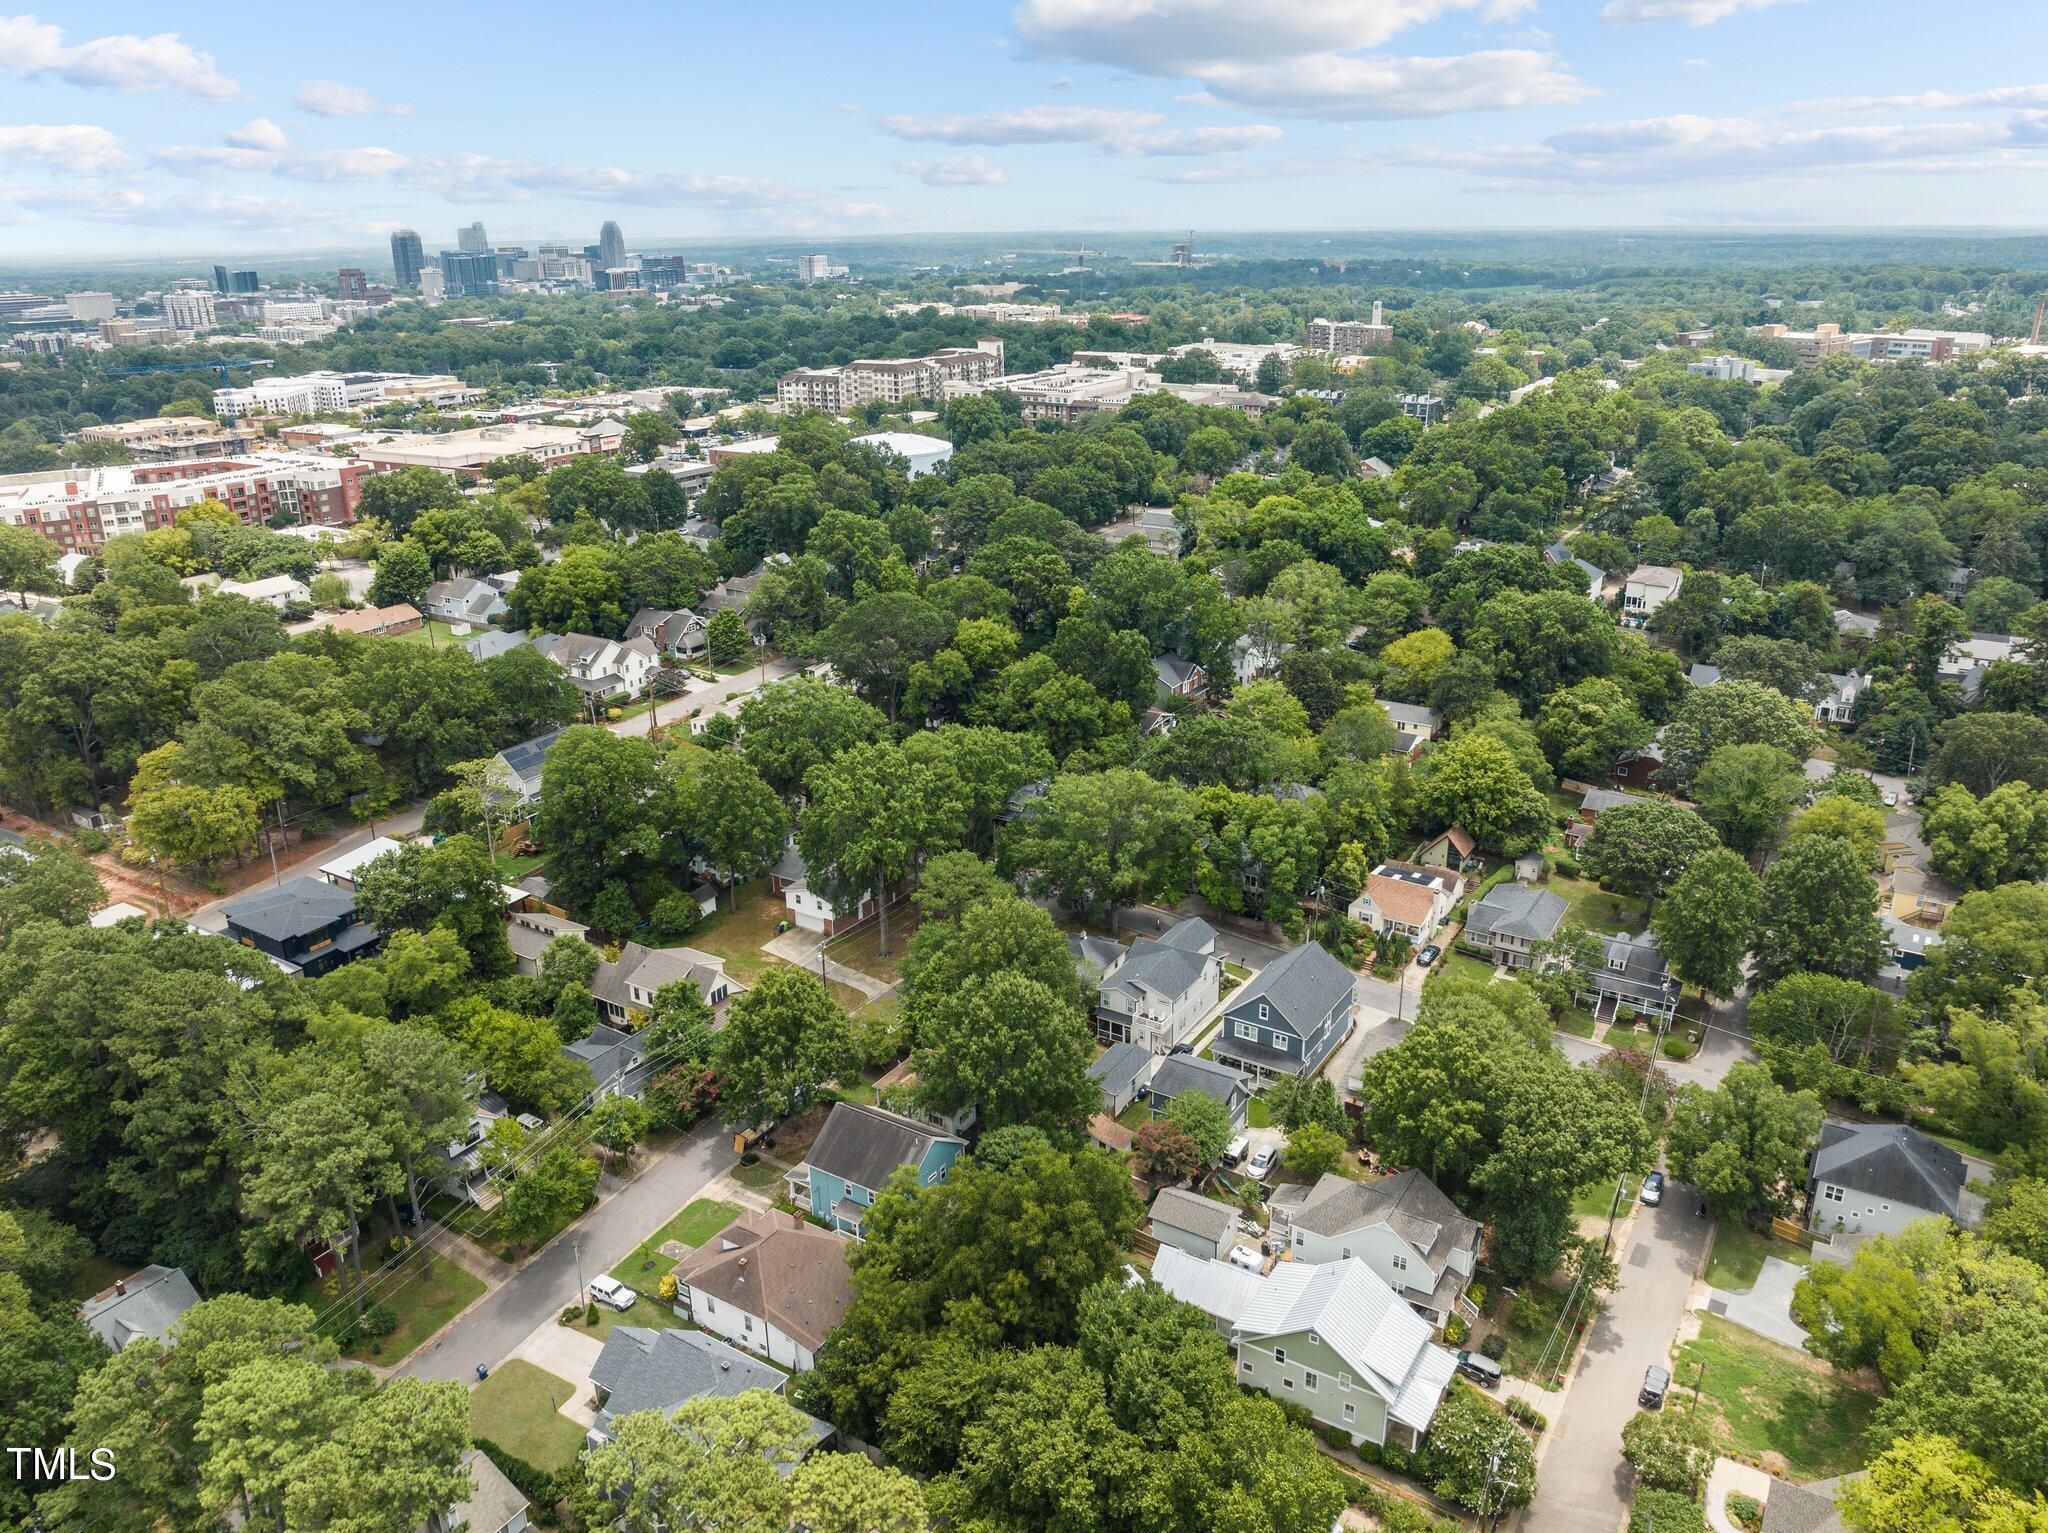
<point x="1263" y="1160"/>
<point x="613" y="1294"/>
<point x="1656" y="1385"/>
<point x="1653" y="1189"/>
<point x="1480" y="1369"/>
<point x="1428" y="956"/>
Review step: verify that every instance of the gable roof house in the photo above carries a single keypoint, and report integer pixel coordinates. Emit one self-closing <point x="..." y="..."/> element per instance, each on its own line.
<point x="600" y="667"/>
<point x="641" y="1369"/>
<point x="1175" y="677"/>
<point x="617" y="1061"/>
<point x="1158" y="989"/>
<point x="1414" y="726"/>
<point x="494" y="1504"/>
<point x="1649" y="586"/>
<point x="1596" y="577"/>
<point x="1837" y="703"/>
<point x="677" y="631"/>
<point x="1330" y="1337"/>
<point x="1876" y="1178"/>
<point x="815" y="909"/>
<point x="1509" y="921"/>
<point x="625" y="987"/>
<point x="1632" y="972"/>
<point x="463" y="599"/>
<point x="529" y="932"/>
<point x="493" y="642"/>
<point x="147" y="1304"/>
<point x="1401" y="1226"/>
<point x="1121" y="1071"/>
<point x="522" y="765"/>
<point x="1197" y="1225"/>
<point x="303" y="925"/>
<point x="1287" y="1018"/>
<point x="1453" y="848"/>
<point x="1094" y="956"/>
<point x="1408" y="899"/>
<point x="769" y="1283"/>
<point x="856" y="1153"/>
<point x="1189" y="1072"/>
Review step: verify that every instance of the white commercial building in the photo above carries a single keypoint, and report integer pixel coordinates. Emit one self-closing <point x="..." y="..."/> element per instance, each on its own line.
<point x="921" y="454"/>
<point x="312" y="393"/>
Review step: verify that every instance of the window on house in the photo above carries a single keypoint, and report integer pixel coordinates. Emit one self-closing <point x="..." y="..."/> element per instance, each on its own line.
<point x="1288" y="1385"/>
<point x="1343" y="1381"/>
<point x="1262" y="1011"/>
<point x="1280" y="1354"/>
<point x="1400" y="1264"/>
<point x="1831" y="1194"/>
<point x="1347" y="1253"/>
<point x="710" y="1305"/>
<point x="1308" y="1379"/>
<point x="1350" y="1413"/>
<point x="1246" y="1030"/>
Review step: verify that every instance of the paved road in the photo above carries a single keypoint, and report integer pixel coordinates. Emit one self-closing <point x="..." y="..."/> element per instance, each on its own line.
<point x="1583" y="1483"/>
<point x="405" y="823"/>
<point x="547" y="1284"/>
<point x="1236" y="946"/>
<point x="707" y="699"/>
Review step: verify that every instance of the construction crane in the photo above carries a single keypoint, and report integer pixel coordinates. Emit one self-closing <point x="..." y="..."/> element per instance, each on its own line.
<point x="218" y="366"/>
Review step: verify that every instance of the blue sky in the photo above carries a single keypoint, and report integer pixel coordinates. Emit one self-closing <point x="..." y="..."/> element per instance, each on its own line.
<point x="129" y="129"/>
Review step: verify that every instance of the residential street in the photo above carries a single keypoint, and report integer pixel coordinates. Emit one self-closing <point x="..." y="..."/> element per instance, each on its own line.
<point x="398" y="826"/>
<point x="1582" y="1481"/>
<point x="547" y="1284"/>
<point x="707" y="699"/>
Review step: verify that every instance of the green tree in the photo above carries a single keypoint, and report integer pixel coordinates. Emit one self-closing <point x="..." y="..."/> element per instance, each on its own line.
<point x="1100" y="840"/>
<point x="420" y="1083"/>
<point x="47" y="881"/>
<point x="1476" y="782"/>
<point x="1671" y="1450"/>
<point x="547" y="1194"/>
<point x="1820" y="913"/>
<point x="1852" y="1021"/>
<point x="726" y="637"/>
<point x="1744" y="1144"/>
<point x="403" y="574"/>
<point x="617" y="1124"/>
<point x="396" y="498"/>
<point x="1836" y="815"/>
<point x="2001" y="838"/>
<point x="718" y="1461"/>
<point x="1745" y="793"/>
<point x="1646" y="845"/>
<point x="1930" y="1484"/>
<point x="875" y="814"/>
<point x="1734" y="713"/>
<point x="1477" y="1458"/>
<point x="795" y="725"/>
<point x="186" y="824"/>
<point x="1984" y="751"/>
<point x="1314" y="1151"/>
<point x="1705" y="924"/>
<point x="1014" y="1049"/>
<point x="850" y="1493"/>
<point x="596" y="814"/>
<point x="1987" y="1390"/>
<point x="452" y="883"/>
<point x="784" y="1040"/>
<point x="728" y="812"/>
<point x="1587" y="729"/>
<point x="2017" y="1220"/>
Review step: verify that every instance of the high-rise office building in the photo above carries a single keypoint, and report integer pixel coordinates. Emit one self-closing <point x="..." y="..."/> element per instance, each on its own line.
<point x="245" y="282"/>
<point x="611" y="245"/>
<point x="470" y="273"/>
<point x="408" y="258"/>
<point x="352" y="283"/>
<point x="471" y="239"/>
<point x="220" y="280"/>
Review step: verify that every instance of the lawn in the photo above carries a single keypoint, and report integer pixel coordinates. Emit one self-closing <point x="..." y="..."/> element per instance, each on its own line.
<point x="1596" y="909"/>
<point x="647" y="1311"/>
<point x="518" y="1408"/>
<point x="512" y="869"/>
<point x="1576" y="1022"/>
<point x="764" y="1176"/>
<point x="437" y="635"/>
<point x="860" y="949"/>
<point x="697" y="1223"/>
<point x="745" y="919"/>
<point x="431" y="1294"/>
<point x="1529" y="1330"/>
<point x="1594" y="1200"/>
<point x="1260" y="1114"/>
<point x="1774" y="1403"/>
<point x="1135" y="1116"/>
<point x="1462" y="966"/>
<point x="1739" y="1252"/>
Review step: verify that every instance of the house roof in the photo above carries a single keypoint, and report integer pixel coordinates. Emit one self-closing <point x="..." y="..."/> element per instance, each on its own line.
<point x="1193" y="934"/>
<point x="864" y="1146"/>
<point x="1109" y="1133"/>
<point x="493" y="1501"/>
<point x="147" y="1304"/>
<point x="1893" y="1162"/>
<point x="1183" y="1072"/>
<point x="1642" y="973"/>
<point x="1460" y="840"/>
<point x="792" y="1275"/>
<point x="609" y="1052"/>
<point x="1216" y="1288"/>
<point x="1180" y="1209"/>
<point x="298" y="907"/>
<point x="1408" y="1202"/>
<point x="488" y="646"/>
<point x="1094" y="956"/>
<point x="348" y="864"/>
<point x="1405" y="900"/>
<point x="1361" y="1319"/>
<point x="1599" y="800"/>
<point x="1120" y="1066"/>
<point x="524" y="759"/>
<point x="649" y="968"/>
<point x="1413" y="717"/>
<point x="1157" y="967"/>
<point x="649" y="1370"/>
<point x="1172" y="671"/>
<point x="1515" y="910"/>
<point x="1659" y="576"/>
<point x="1701" y="674"/>
<point x="1303" y="985"/>
<point x="464" y="594"/>
<point x="1799" y="1509"/>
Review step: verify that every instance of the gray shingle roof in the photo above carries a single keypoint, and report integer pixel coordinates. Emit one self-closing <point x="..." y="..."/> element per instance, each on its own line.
<point x="1183" y="1072"/>
<point x="1302" y="986"/>
<point x="1190" y="1211"/>
<point x="1893" y="1162"/>
<point x="648" y="1370"/>
<point x="609" y="1052"/>
<point x="1514" y="910"/>
<point x="864" y="1146"/>
<point x="1193" y="934"/>
<point x="650" y="968"/>
<point x="148" y="1305"/>
<point x="1154" y="966"/>
<point x="1408" y="1201"/>
<point x="1095" y="955"/>
<point x="1120" y="1065"/>
<point x="297" y="907"/>
<point x="1643" y="975"/>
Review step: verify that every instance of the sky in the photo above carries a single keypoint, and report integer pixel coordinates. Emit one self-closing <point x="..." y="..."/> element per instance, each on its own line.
<point x="128" y="130"/>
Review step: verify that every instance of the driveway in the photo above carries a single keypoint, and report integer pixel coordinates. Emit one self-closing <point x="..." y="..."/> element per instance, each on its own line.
<point x="1767" y="1308"/>
<point x="569" y="1355"/>
<point x="1583" y="1483"/>
<point x="709" y="698"/>
<point x="548" y="1283"/>
<point x="799" y="947"/>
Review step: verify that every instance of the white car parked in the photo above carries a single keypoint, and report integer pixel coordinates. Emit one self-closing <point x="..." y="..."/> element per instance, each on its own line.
<point x="611" y="1292"/>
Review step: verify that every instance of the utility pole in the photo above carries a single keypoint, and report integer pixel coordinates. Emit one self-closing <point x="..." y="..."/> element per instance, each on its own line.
<point x="577" y="1247"/>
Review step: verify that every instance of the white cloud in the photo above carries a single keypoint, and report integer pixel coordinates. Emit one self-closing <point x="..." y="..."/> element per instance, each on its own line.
<point x="1694" y="13"/>
<point x="31" y="49"/>
<point x="76" y="149"/>
<point x="1026" y="125"/>
<point x="331" y="98"/>
<point x="1182" y="36"/>
<point x="1196" y="141"/>
<point x="954" y="170"/>
<point x="1932" y="101"/>
<point x="1697" y="64"/>
<point x="261" y="133"/>
<point x="1344" y="88"/>
<point x="367" y="163"/>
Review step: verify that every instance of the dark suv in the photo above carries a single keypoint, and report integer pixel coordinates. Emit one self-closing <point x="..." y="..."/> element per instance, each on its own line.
<point x="1656" y="1384"/>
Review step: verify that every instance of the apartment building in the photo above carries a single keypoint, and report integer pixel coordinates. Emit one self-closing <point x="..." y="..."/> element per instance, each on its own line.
<point x="172" y="438"/>
<point x="1427" y="408"/>
<point x="190" y="309"/>
<point x="1809" y="346"/>
<point x="465" y="454"/>
<point x="1348" y="337"/>
<point x="79" y="509"/>
<point x="312" y="393"/>
<point x="893" y="380"/>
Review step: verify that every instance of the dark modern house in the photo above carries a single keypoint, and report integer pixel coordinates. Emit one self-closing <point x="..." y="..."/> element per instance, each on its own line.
<point x="304" y="926"/>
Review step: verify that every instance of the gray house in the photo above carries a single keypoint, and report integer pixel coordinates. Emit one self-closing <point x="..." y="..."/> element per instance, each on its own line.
<point x="647" y="1370"/>
<point x="1197" y="1225"/>
<point x="1509" y="921"/>
<point x="676" y="631"/>
<point x="1184" y="1072"/>
<point x="1158" y="989"/>
<point x="1632" y="973"/>
<point x="1120" y="1070"/>
<point x="522" y="765"/>
<point x="147" y="1304"/>
<point x="463" y="599"/>
<point x="1401" y="1226"/>
<point x="1876" y="1178"/>
<point x="1289" y="1016"/>
<point x="617" y="1061"/>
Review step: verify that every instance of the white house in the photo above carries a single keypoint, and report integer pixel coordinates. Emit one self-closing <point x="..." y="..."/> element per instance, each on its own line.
<point x="769" y="1283"/>
<point x="1838" y="703"/>
<point x="274" y="591"/>
<point x="463" y="599"/>
<point x="1877" y="1178"/>
<point x="1252" y="658"/>
<point x="1649" y="587"/>
<point x="1159" y="989"/>
<point x="812" y="909"/>
<point x="601" y="667"/>
<point x="1401" y="1226"/>
<point x="1408" y="899"/>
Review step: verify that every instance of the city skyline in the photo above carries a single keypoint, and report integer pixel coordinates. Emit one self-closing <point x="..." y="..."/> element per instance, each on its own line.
<point x="1034" y="116"/>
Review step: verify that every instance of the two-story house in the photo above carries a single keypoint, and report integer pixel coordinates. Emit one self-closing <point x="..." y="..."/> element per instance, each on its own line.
<point x="1156" y="992"/>
<point x="617" y="1061"/>
<point x="770" y="1283"/>
<point x="304" y="926"/>
<point x="1836" y="705"/>
<point x="601" y="667"/>
<point x="463" y="599"/>
<point x="1510" y="921"/>
<point x="673" y="631"/>
<point x="462" y="1173"/>
<point x="811" y="906"/>
<point x="1401" y="1226"/>
<point x="1648" y="587"/>
<point x="1631" y="973"/>
<point x="856" y="1153"/>
<point x="1288" y="1017"/>
<point x="1331" y="1338"/>
<point x="1175" y="677"/>
<point x="1190" y="1072"/>
<point x="1877" y="1178"/>
<point x="624" y="988"/>
<point x="1407" y="899"/>
<point x="520" y="766"/>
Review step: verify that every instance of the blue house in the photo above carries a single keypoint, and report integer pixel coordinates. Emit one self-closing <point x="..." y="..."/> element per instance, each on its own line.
<point x="856" y="1153"/>
<point x="1289" y="1017"/>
